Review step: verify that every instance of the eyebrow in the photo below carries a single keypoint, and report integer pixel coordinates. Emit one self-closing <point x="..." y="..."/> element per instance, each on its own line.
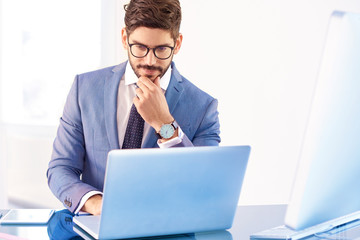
<point x="161" y="45"/>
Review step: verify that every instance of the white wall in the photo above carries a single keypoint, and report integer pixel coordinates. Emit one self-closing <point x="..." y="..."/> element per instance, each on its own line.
<point x="28" y="150"/>
<point x="3" y="173"/>
<point x="40" y="58"/>
<point x="260" y="59"/>
<point x="3" y="183"/>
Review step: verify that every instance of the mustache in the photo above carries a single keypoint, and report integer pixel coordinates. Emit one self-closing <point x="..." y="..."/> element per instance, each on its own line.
<point x="150" y="67"/>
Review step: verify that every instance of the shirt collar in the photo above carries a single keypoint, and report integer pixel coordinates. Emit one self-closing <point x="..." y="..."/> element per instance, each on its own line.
<point x="131" y="78"/>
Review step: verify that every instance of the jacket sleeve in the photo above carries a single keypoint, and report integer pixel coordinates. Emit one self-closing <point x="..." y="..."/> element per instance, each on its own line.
<point x="67" y="160"/>
<point x="208" y="132"/>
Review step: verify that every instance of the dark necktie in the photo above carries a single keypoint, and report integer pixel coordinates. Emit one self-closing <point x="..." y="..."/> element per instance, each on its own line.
<point x="134" y="130"/>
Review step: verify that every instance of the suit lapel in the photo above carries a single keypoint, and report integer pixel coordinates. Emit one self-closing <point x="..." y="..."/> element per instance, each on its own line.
<point x="173" y="94"/>
<point x="111" y="87"/>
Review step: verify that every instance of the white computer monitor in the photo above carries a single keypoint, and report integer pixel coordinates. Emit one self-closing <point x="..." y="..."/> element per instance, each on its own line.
<point x="327" y="185"/>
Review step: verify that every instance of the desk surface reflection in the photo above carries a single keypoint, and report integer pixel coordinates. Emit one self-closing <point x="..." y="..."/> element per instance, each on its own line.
<point x="60" y="227"/>
<point x="248" y="220"/>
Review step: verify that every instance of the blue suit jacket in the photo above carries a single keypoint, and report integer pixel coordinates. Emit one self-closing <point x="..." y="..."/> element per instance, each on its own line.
<point x="88" y="129"/>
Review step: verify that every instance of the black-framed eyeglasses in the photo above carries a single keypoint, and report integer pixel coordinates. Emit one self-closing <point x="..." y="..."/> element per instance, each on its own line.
<point x="140" y="51"/>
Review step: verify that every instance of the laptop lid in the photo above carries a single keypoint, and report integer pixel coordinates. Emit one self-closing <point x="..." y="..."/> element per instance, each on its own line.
<point x="150" y="192"/>
<point x="327" y="184"/>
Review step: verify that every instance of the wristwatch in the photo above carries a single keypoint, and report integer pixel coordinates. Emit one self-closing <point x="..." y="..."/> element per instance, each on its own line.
<point x="167" y="130"/>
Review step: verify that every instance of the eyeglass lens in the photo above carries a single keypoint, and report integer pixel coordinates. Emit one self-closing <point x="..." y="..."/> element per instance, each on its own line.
<point x="162" y="52"/>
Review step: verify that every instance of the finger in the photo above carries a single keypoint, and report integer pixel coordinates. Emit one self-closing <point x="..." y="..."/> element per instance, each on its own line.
<point x="143" y="87"/>
<point x="139" y="93"/>
<point x="147" y="82"/>
<point x="140" y="84"/>
<point x="136" y="101"/>
<point x="157" y="81"/>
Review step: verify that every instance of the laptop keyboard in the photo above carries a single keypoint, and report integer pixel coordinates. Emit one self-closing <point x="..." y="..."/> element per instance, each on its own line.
<point x="285" y="233"/>
<point x="280" y="232"/>
<point x="3" y="212"/>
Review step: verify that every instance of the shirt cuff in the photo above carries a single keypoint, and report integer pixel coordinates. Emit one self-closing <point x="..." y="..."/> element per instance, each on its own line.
<point x="85" y="198"/>
<point x="172" y="142"/>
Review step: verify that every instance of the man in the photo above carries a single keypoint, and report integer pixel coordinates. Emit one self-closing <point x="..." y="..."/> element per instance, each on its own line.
<point x="144" y="102"/>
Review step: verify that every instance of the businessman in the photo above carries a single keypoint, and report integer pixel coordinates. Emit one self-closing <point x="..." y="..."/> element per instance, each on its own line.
<point x="141" y="103"/>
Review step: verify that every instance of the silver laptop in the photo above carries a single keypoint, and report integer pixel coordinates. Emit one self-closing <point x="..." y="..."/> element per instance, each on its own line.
<point x="326" y="193"/>
<point x="153" y="192"/>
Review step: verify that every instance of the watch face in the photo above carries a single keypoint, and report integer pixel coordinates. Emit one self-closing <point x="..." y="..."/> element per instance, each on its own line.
<point x="167" y="131"/>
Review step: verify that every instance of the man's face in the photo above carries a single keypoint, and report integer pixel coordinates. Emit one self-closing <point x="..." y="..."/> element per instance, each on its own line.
<point x="150" y="66"/>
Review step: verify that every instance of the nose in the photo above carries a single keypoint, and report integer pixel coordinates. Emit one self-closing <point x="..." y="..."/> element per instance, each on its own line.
<point x="150" y="58"/>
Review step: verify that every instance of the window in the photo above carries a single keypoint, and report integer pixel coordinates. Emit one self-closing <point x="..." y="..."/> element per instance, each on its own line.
<point x="44" y="44"/>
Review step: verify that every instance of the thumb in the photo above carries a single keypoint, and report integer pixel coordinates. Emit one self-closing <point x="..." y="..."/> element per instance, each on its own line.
<point x="157" y="81"/>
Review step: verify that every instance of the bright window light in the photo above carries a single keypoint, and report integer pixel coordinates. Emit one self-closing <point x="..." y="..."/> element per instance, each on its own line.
<point x="44" y="45"/>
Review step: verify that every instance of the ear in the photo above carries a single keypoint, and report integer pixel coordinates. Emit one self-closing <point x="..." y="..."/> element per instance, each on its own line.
<point x="124" y="38"/>
<point x="178" y="43"/>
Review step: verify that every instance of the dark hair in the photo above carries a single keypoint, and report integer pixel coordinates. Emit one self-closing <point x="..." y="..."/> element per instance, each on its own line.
<point x="163" y="14"/>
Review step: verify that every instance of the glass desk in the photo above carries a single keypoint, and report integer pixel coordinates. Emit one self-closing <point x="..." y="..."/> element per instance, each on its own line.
<point x="248" y="220"/>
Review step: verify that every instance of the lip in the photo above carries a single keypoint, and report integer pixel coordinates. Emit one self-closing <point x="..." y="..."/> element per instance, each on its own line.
<point x="149" y="72"/>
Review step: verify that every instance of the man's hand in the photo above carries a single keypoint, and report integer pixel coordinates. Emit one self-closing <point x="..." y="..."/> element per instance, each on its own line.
<point x="151" y="103"/>
<point x="93" y="205"/>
